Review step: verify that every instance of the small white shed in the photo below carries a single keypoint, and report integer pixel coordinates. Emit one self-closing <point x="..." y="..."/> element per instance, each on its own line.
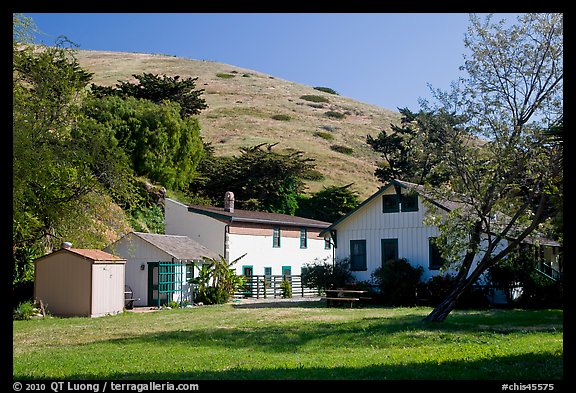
<point x="145" y="253"/>
<point x="80" y="282"/>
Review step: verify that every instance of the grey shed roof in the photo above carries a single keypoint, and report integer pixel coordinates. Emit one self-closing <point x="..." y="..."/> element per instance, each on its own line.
<point x="179" y="247"/>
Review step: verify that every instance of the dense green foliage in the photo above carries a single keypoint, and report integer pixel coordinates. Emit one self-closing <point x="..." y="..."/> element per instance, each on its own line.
<point x="314" y="98"/>
<point x="217" y="281"/>
<point x="261" y="178"/>
<point x="159" y="89"/>
<point x="161" y="144"/>
<point x="334" y="115"/>
<point x="326" y="90"/>
<point x="329" y="204"/>
<point x="397" y="281"/>
<point x="402" y="150"/>
<point x="342" y="149"/>
<point x="323" y="275"/>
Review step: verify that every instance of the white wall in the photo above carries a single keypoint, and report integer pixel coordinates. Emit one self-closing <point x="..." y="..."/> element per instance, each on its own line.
<point x="370" y="224"/>
<point x="205" y="230"/>
<point x="261" y="254"/>
<point x="137" y="252"/>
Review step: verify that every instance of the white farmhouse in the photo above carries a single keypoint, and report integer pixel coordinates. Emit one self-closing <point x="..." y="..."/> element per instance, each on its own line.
<point x="390" y="225"/>
<point x="274" y="244"/>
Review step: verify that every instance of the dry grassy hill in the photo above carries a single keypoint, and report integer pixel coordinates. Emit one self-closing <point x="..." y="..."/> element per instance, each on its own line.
<point x="242" y="105"/>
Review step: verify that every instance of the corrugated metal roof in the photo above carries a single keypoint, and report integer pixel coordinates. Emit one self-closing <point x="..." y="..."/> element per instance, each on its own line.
<point x="257" y="217"/>
<point x="178" y="246"/>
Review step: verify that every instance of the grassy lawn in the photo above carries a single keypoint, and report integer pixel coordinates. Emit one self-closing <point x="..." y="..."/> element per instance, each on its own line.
<point x="298" y="341"/>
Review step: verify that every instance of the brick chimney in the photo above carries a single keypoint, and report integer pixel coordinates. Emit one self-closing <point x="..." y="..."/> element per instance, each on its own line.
<point x="229" y="201"/>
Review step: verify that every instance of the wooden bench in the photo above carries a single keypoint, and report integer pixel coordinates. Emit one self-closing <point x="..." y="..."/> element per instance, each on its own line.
<point x="344" y="295"/>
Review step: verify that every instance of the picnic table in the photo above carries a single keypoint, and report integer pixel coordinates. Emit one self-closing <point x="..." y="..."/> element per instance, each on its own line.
<point x="341" y="295"/>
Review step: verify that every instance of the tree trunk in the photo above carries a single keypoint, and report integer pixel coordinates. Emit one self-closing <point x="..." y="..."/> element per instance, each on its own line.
<point x="447" y="304"/>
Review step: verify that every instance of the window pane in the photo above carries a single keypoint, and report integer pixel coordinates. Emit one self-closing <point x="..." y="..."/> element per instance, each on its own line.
<point x="410" y="203"/>
<point x="390" y="204"/>
<point x="389" y="250"/>
<point x="358" y="255"/>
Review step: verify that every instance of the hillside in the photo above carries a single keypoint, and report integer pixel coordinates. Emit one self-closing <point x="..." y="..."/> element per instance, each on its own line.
<point x="242" y="104"/>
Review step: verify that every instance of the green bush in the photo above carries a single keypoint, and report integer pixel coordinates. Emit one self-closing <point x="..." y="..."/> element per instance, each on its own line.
<point x="24" y="311"/>
<point x="286" y="289"/>
<point x="326" y="90"/>
<point x="334" y="115"/>
<point x="342" y="149"/>
<point x="225" y="75"/>
<point x="397" y="281"/>
<point x="433" y="291"/>
<point x="281" y="117"/>
<point x="324" y="135"/>
<point x="314" y="175"/>
<point x="322" y="275"/>
<point x="314" y="98"/>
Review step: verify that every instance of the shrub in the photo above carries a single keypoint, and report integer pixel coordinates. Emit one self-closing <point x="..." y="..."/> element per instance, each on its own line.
<point x="322" y="275"/>
<point x="334" y="115"/>
<point x="329" y="128"/>
<point x="314" y="98"/>
<point x="225" y="75"/>
<point x="326" y="90"/>
<point x="324" y="135"/>
<point x="397" y="281"/>
<point x="317" y="106"/>
<point x="286" y="289"/>
<point x="342" y="149"/>
<point x="25" y="311"/>
<point x="281" y="117"/>
<point x="314" y="175"/>
<point x="433" y="291"/>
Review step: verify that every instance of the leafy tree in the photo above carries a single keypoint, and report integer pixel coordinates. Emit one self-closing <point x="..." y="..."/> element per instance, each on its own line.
<point x="504" y="169"/>
<point x="402" y="152"/>
<point x="260" y="178"/>
<point x="159" y="89"/>
<point x="62" y="164"/>
<point x="158" y="141"/>
<point x="328" y="204"/>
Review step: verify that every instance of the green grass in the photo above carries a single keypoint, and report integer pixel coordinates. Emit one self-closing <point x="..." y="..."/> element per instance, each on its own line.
<point x="292" y="341"/>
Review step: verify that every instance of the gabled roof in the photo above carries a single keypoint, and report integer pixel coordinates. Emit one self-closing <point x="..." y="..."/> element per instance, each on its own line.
<point x="177" y="246"/>
<point x="97" y="256"/>
<point x="256" y="217"/>
<point x="446" y="205"/>
<point x="399" y="183"/>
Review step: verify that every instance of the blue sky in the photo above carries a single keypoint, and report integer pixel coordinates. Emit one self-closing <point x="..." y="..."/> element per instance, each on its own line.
<point x="384" y="59"/>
